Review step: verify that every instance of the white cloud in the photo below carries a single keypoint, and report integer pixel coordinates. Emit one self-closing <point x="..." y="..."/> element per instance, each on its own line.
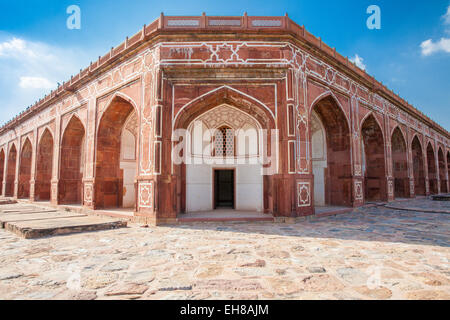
<point x="36" y="83"/>
<point x="429" y="47"/>
<point x="358" y="61"/>
<point x="446" y="16"/>
<point x="30" y="69"/>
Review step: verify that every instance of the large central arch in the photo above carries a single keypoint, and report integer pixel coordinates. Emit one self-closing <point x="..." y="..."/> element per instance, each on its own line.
<point x="337" y="176"/>
<point x="25" y="170"/>
<point x="418" y="167"/>
<point x="399" y="164"/>
<point x="115" y="171"/>
<point x="442" y="175"/>
<point x="11" y="171"/>
<point x="432" y="170"/>
<point x="71" y="164"/>
<point x="374" y="167"/>
<point x="44" y="165"/>
<point x="247" y="107"/>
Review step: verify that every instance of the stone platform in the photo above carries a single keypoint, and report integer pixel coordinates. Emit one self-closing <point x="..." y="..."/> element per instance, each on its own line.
<point x="421" y="205"/>
<point x="30" y="221"/>
<point x="441" y="197"/>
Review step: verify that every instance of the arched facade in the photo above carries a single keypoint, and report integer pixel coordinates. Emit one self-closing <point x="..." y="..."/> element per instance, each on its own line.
<point x="160" y="128"/>
<point x="115" y="158"/>
<point x="331" y="135"/>
<point x="400" y="164"/>
<point x="25" y="170"/>
<point x="71" y="166"/>
<point x="418" y="167"/>
<point x="11" y="171"/>
<point x="44" y="167"/>
<point x="374" y="165"/>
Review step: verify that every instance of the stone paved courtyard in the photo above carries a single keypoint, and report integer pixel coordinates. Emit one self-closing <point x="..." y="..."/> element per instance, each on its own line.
<point x="373" y="253"/>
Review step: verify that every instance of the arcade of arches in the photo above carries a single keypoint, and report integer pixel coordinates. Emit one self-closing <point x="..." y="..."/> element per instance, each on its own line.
<point x="159" y="128"/>
<point x="223" y="161"/>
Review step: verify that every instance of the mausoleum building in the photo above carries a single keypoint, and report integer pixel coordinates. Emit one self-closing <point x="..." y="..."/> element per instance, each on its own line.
<point x="197" y="114"/>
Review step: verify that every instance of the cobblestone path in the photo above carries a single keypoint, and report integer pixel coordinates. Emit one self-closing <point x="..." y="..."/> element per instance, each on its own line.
<point x="372" y="253"/>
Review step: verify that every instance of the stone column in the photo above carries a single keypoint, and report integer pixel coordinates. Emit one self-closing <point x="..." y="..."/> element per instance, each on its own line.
<point x="88" y="182"/>
<point x="153" y="197"/>
<point x="33" y="164"/>
<point x="357" y="174"/>
<point x="18" y="160"/>
<point x="294" y="151"/>
<point x="56" y="160"/>
<point x="436" y="161"/>
<point x="412" y="191"/>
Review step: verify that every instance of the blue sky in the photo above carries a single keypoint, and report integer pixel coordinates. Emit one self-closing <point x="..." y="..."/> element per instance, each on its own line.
<point x="410" y="54"/>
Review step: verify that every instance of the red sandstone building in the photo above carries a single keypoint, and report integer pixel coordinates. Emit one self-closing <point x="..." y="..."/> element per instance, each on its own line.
<point x="317" y="130"/>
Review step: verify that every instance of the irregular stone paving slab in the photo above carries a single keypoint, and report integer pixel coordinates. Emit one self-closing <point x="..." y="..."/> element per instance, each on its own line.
<point x="43" y="228"/>
<point x="6" y="202"/>
<point x="25" y="212"/>
<point x="423" y="205"/>
<point x="8" y="218"/>
<point x="373" y="253"/>
<point x="22" y="209"/>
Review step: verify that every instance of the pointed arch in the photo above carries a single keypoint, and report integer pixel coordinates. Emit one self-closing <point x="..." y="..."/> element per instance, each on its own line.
<point x="26" y="156"/>
<point x="44" y="166"/>
<point x="338" y="174"/>
<point x="432" y="170"/>
<point x="2" y="168"/>
<point x="375" y="118"/>
<point x="418" y="166"/>
<point x="11" y="171"/>
<point x="109" y="175"/>
<point x="399" y="164"/>
<point x="442" y="169"/>
<point x="224" y="95"/>
<point x="375" y="169"/>
<point x="71" y="166"/>
<point x="330" y="95"/>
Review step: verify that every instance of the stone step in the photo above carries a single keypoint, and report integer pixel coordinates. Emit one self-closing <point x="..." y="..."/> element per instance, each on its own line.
<point x="441" y="197"/>
<point x="19" y="217"/>
<point x="60" y="226"/>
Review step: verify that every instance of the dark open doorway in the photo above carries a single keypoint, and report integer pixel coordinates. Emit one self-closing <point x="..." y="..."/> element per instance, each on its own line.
<point x="224" y="189"/>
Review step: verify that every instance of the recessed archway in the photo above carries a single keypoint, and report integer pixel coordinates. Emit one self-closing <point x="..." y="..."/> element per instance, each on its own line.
<point x="2" y="169"/>
<point x="11" y="171"/>
<point x="223" y="166"/>
<point x="116" y="156"/>
<point x="432" y="170"/>
<point x="332" y="167"/>
<point x="399" y="164"/>
<point x="72" y="163"/>
<point x="418" y="167"/>
<point x="25" y="170"/>
<point x="44" y="167"/>
<point x="374" y="166"/>
<point x="442" y="175"/>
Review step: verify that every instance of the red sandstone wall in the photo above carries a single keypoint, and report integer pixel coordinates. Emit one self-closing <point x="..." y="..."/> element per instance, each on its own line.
<point x="277" y="80"/>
